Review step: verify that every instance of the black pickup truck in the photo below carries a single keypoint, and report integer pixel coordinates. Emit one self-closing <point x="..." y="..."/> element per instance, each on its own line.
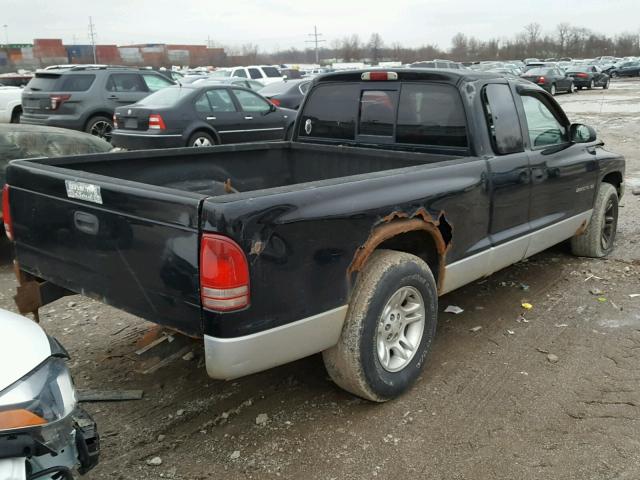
<point x="399" y="186"/>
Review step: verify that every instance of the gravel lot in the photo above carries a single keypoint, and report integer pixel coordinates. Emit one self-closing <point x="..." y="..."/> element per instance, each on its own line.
<point x="552" y="395"/>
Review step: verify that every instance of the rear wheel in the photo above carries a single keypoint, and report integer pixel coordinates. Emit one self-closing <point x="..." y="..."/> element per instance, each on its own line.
<point x="572" y="88"/>
<point x="389" y="328"/>
<point x="201" y="139"/>
<point x="100" y="126"/>
<point x="606" y="84"/>
<point x="598" y="239"/>
<point x="553" y="89"/>
<point x="16" y="115"/>
<point x="591" y="84"/>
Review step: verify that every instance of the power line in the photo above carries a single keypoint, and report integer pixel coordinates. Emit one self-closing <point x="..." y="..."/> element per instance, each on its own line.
<point x="92" y="37"/>
<point x="316" y="39"/>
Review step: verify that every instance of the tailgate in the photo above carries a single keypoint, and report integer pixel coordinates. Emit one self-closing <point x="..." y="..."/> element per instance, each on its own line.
<point x="128" y="244"/>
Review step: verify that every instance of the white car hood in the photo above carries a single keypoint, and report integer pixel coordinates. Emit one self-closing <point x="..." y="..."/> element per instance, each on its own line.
<point x="23" y="346"/>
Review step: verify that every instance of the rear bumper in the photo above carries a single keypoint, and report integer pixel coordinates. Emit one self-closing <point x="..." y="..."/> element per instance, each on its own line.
<point x="581" y="82"/>
<point x="228" y="358"/>
<point x="61" y="121"/>
<point x="143" y="141"/>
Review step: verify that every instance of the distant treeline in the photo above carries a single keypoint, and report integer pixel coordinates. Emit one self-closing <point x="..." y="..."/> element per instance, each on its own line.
<point x="564" y="41"/>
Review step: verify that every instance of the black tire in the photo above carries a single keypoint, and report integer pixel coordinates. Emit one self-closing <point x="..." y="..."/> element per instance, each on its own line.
<point x="606" y="85"/>
<point x="553" y="90"/>
<point x="599" y="237"/>
<point x="571" y="88"/>
<point x="614" y="74"/>
<point x="591" y="84"/>
<point x="100" y="126"/>
<point x="579" y="88"/>
<point x="354" y="363"/>
<point x="16" y="115"/>
<point x="201" y="139"/>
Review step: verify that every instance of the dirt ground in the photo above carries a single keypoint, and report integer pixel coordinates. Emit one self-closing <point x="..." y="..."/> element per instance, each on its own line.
<point x="491" y="404"/>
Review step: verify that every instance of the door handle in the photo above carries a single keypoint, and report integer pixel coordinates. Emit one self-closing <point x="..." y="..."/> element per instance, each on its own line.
<point x="248" y="118"/>
<point x="112" y="97"/>
<point x="211" y="118"/>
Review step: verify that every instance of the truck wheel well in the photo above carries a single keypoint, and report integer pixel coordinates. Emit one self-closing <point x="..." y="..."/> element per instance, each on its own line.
<point x="97" y="114"/>
<point x="615" y="179"/>
<point x="427" y="240"/>
<point x="419" y="243"/>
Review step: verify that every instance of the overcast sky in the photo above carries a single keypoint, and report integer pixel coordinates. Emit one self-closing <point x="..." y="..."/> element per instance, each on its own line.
<point x="282" y="24"/>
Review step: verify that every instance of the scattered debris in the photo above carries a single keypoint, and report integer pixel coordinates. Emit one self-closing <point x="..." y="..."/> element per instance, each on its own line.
<point x="527" y="306"/>
<point x="475" y="329"/>
<point x="71" y="304"/>
<point x="521" y="319"/>
<point x="453" y="309"/>
<point x="524" y="287"/>
<point x="602" y="299"/>
<point x="180" y="412"/>
<point x="188" y="356"/>
<point x="109" y="395"/>
<point x="149" y="346"/>
<point x="511" y="332"/>
<point x="596" y="291"/>
<point x="552" y="358"/>
<point x="634" y="295"/>
<point x="154" y="462"/>
<point x="161" y="437"/>
<point x="542" y="350"/>
<point x="592" y="276"/>
<point x="262" y="419"/>
<point x="561" y="325"/>
<point x="235" y="455"/>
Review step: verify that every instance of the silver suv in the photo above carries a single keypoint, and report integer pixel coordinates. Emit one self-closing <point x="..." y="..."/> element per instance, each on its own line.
<point x="85" y="97"/>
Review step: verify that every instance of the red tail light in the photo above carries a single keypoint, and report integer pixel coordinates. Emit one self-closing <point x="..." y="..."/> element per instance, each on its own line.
<point x="224" y="274"/>
<point x="541" y="79"/>
<point x="6" y="212"/>
<point x="156" y="122"/>
<point x="582" y="75"/>
<point x="275" y="101"/>
<point x="58" y="100"/>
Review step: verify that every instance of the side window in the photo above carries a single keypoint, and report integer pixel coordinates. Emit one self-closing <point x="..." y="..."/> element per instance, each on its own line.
<point x="126" y="82"/>
<point x="502" y="119"/>
<point x="255" y="73"/>
<point x="202" y="104"/>
<point x="76" y="83"/>
<point x="544" y="128"/>
<point x="331" y="112"/>
<point x="220" y="100"/>
<point x="250" y="102"/>
<point x="155" y="82"/>
<point x="377" y="112"/>
<point x="431" y="114"/>
<point x="240" y="72"/>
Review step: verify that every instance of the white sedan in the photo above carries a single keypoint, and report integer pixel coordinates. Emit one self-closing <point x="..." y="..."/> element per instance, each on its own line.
<point x="10" y="104"/>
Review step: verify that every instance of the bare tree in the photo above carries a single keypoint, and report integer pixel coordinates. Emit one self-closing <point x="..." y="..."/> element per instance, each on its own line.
<point x="375" y="47"/>
<point x="564" y="30"/>
<point x="532" y="33"/>
<point x="350" y="48"/>
<point x="460" y="47"/>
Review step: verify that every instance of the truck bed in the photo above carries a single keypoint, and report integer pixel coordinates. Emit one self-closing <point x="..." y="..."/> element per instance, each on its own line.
<point x="245" y="167"/>
<point x="134" y="243"/>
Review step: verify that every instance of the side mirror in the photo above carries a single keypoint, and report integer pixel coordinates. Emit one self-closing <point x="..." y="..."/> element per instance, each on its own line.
<point x="580" y="133"/>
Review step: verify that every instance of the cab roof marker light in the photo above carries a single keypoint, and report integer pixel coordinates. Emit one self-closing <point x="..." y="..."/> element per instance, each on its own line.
<point x="379" y="76"/>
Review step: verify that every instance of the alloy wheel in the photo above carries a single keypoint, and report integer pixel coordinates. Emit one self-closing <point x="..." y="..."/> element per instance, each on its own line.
<point x="399" y="331"/>
<point x="102" y="129"/>
<point x="202" y="142"/>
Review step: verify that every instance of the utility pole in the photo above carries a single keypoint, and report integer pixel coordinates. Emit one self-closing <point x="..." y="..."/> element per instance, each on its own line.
<point x="92" y="37"/>
<point x="316" y="40"/>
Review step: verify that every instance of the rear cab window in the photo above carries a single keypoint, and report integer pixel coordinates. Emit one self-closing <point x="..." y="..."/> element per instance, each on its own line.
<point x="413" y="116"/>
